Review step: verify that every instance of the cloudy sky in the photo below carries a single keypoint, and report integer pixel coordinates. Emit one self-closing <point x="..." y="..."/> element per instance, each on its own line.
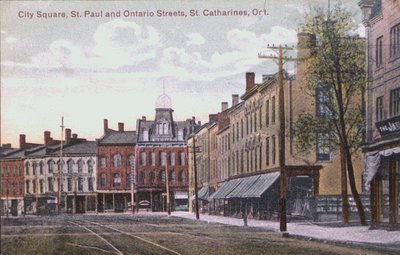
<point x="90" y="68"/>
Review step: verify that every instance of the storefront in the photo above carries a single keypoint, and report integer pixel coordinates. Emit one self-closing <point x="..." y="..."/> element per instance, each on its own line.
<point x="382" y="179"/>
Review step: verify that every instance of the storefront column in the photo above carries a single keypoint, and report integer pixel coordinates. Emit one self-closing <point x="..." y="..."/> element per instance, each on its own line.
<point x="113" y="196"/>
<point x="393" y="197"/>
<point x="372" y="198"/>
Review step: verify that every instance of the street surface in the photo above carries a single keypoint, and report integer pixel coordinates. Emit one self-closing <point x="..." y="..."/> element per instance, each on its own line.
<point x="153" y="234"/>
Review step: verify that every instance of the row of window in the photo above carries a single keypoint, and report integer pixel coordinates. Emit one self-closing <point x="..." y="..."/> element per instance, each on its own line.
<point x="11" y="170"/>
<point x="12" y="189"/>
<point x="50" y="185"/>
<point x="253" y="122"/>
<point x="151" y="178"/>
<point x="394" y="105"/>
<point x="38" y="167"/>
<point x="394" y="46"/>
<point x="162" y="158"/>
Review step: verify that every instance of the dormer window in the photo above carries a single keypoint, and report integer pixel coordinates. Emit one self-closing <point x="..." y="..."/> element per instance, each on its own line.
<point x="162" y="128"/>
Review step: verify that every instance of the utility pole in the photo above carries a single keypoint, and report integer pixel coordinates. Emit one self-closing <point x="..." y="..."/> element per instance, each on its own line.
<point x="132" y="163"/>
<point x="60" y="171"/>
<point x="281" y="102"/>
<point x="167" y="184"/>
<point x="196" y="192"/>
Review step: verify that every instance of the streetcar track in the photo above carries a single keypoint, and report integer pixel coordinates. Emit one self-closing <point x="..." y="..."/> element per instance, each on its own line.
<point x="137" y="237"/>
<point x="120" y="232"/>
<point x="107" y="242"/>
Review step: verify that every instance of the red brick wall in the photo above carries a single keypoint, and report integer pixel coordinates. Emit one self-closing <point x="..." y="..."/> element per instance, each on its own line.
<point x="14" y="178"/>
<point x="157" y="168"/>
<point x="124" y="170"/>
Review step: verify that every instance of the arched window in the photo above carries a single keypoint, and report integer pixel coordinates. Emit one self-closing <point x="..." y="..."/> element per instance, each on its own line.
<point x="27" y="168"/>
<point x="145" y="135"/>
<point x="103" y="180"/>
<point x="90" y="183"/>
<point x="41" y="165"/>
<point x="116" y="180"/>
<point x="143" y="158"/>
<point x="172" y="158"/>
<point x="103" y="162"/>
<point x="80" y="184"/>
<point x="131" y="160"/>
<point x="117" y="160"/>
<point x="80" y="166"/>
<point x="165" y="128"/>
<point x="163" y="157"/>
<point x="27" y="186"/>
<point x="70" y="165"/>
<point x="172" y="176"/>
<point x="182" y="159"/>
<point x="34" y="167"/>
<point x="60" y="165"/>
<point x="161" y="176"/>
<point x="152" y="177"/>
<point x="90" y="164"/>
<point x="182" y="177"/>
<point x="141" y="177"/>
<point x="153" y="159"/>
<point x="180" y="135"/>
<point x="50" y="165"/>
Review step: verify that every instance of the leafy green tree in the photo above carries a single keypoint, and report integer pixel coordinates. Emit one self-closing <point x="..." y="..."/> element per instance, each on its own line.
<point x="336" y="80"/>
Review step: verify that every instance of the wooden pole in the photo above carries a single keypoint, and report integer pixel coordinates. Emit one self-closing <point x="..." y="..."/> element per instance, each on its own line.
<point x="195" y="179"/>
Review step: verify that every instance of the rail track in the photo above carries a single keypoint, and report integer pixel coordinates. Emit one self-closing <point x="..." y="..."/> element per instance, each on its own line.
<point x="122" y="242"/>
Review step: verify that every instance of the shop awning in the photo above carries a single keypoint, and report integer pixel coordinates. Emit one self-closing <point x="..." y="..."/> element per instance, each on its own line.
<point x="260" y="185"/>
<point x="245" y="184"/>
<point x="372" y="162"/>
<point x="202" y="193"/>
<point x="181" y="195"/>
<point x="225" y="189"/>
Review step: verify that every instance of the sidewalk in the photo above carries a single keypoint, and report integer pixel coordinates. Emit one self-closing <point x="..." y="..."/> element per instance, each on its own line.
<point x="359" y="235"/>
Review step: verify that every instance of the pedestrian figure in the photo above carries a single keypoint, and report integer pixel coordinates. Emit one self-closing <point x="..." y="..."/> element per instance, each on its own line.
<point x="244" y="215"/>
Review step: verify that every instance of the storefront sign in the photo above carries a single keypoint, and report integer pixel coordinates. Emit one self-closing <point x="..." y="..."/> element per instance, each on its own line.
<point x="390" y="126"/>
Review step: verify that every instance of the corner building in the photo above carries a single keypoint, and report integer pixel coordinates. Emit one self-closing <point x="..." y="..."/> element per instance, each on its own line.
<point x="382" y="150"/>
<point x="162" y="158"/>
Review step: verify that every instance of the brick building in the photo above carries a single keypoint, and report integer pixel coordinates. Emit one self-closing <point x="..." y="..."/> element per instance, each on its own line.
<point x="115" y="157"/>
<point x="382" y="150"/>
<point x="162" y="157"/>
<point x="248" y="161"/>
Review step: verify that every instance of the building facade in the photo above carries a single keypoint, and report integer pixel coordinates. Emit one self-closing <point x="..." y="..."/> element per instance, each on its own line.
<point x="162" y="153"/>
<point x="115" y="171"/>
<point x="382" y="150"/>
<point x="248" y="170"/>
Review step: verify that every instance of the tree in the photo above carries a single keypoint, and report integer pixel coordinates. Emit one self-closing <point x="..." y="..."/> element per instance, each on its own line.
<point x="336" y="80"/>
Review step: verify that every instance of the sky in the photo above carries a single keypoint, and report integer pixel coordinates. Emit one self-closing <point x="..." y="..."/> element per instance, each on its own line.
<point x="93" y="67"/>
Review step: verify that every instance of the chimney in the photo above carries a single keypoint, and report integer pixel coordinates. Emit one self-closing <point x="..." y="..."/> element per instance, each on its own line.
<point x="120" y="126"/>
<point x="144" y="118"/>
<point x="67" y="135"/>
<point x="105" y="121"/>
<point x="213" y="117"/>
<point x="250" y="81"/>
<point x="235" y="99"/>
<point x="306" y="45"/>
<point x="22" y="141"/>
<point x="47" y="138"/>
<point x="224" y="106"/>
<point x="266" y="77"/>
<point x="193" y="120"/>
<point x="74" y="136"/>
